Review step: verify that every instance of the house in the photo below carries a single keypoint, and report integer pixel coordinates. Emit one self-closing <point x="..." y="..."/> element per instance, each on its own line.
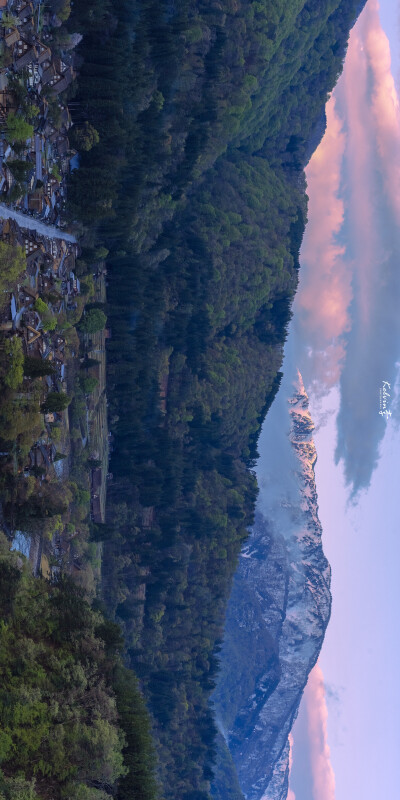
<point x="59" y="342"/>
<point x="25" y="13"/>
<point x="11" y="36"/>
<point x="33" y="76"/>
<point x="66" y="119"/>
<point x="74" y="284"/>
<point x="63" y="81"/>
<point x="43" y="52"/>
<point x="58" y="361"/>
<point x="27" y="296"/>
<point x="62" y="145"/>
<point x="46" y="283"/>
<point x="62" y="77"/>
<point x="36" y="202"/>
<point x="42" y="455"/>
<point x="48" y="452"/>
<point x="48" y="73"/>
<point x="8" y="103"/>
<point x="24" y="54"/>
<point x="33" y="249"/>
<point x="9" y="177"/>
<point x="31" y="336"/>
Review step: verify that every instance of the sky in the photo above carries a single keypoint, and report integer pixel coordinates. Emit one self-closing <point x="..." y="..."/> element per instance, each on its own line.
<point x="346" y="338"/>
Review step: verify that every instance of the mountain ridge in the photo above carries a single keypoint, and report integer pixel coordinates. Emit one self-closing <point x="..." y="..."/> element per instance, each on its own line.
<point x="283" y="584"/>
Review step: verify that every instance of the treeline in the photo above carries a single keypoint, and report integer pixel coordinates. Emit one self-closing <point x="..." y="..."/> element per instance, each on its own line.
<point x="207" y="113"/>
<point x="66" y="731"/>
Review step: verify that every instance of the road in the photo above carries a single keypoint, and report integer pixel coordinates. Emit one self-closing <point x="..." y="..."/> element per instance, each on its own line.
<point x="25" y="221"/>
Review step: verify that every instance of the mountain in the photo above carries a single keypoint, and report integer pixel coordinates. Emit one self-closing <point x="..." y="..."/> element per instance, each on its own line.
<point x="197" y="190"/>
<point x="276" y="621"/>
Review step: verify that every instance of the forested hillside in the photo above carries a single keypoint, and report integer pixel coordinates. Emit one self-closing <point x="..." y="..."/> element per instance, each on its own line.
<point x="66" y="730"/>
<point x="206" y="113"/>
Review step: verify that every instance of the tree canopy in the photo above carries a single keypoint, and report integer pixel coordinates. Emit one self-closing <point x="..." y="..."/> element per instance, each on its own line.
<point x="12" y="265"/>
<point x="93" y="320"/>
<point x="18" y="130"/>
<point x="84" y="137"/>
<point x="56" y="401"/>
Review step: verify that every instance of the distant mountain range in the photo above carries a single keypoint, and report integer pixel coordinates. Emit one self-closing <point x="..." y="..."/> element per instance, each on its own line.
<point x="276" y="621"/>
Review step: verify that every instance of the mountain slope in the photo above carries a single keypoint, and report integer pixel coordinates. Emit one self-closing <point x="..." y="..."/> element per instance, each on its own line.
<point x="276" y="621"/>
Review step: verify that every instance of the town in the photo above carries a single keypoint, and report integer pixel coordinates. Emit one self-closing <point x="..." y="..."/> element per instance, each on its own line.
<point x="54" y="441"/>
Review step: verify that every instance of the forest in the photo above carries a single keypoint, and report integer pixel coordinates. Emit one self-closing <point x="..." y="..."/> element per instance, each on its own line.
<point x="207" y="115"/>
<point x="65" y="727"/>
<point x="204" y="115"/>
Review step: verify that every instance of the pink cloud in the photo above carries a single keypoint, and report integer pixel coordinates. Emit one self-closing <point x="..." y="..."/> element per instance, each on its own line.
<point x="291" y="794"/>
<point x="325" y="292"/>
<point x="360" y="165"/>
<point x="317" y="713"/>
<point x="325" y="289"/>
<point x="385" y="102"/>
<point x="367" y="136"/>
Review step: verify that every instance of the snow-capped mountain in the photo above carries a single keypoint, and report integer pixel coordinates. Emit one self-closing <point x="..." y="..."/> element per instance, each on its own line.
<point x="277" y="616"/>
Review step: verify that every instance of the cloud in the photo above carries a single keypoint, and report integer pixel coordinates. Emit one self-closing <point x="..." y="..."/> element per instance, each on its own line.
<point x="325" y="290"/>
<point x="385" y="103"/>
<point x="347" y="323"/>
<point x="367" y="99"/>
<point x="317" y="712"/>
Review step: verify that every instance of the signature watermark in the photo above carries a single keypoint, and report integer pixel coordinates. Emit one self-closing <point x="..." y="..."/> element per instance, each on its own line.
<point x="384" y="400"/>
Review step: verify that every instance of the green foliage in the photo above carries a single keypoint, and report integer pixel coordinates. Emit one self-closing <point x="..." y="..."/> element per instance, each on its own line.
<point x="55" y="171"/>
<point x="18" y="130"/>
<point x="56" y="401"/>
<point x="90" y="362"/>
<point x="139" y="754"/>
<point x="93" y="320"/>
<point x="88" y="384"/>
<point x="17" y="788"/>
<point x="48" y="319"/>
<point x="15" y="374"/>
<point x="62" y="8"/>
<point x="12" y="265"/>
<point x="36" y="367"/>
<point x="100" y="253"/>
<point x="63" y="693"/>
<point x="53" y="668"/>
<point x="87" y="286"/>
<point x="84" y="137"/>
<point x="82" y="496"/>
<point x="225" y="778"/>
<point x="20" y="169"/>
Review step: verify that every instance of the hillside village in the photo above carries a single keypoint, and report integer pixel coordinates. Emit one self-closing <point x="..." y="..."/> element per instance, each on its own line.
<point x="34" y="78"/>
<point x="47" y="370"/>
